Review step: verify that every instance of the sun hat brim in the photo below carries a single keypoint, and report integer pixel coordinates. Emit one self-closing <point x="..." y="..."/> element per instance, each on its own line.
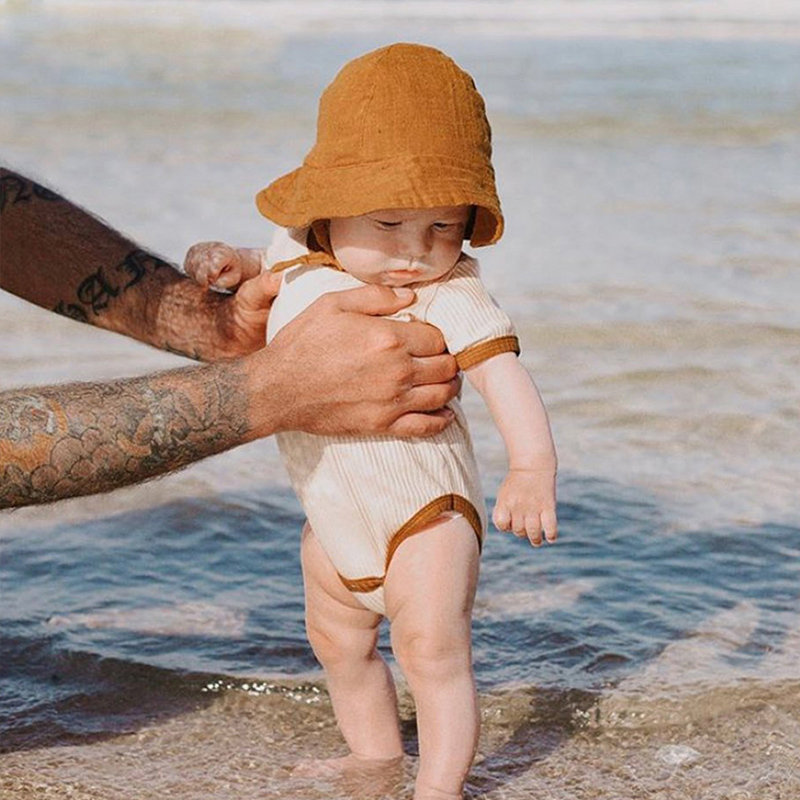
<point x="312" y="193"/>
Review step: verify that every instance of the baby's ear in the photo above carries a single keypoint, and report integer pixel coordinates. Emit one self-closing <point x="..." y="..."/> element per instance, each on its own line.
<point x="319" y="236"/>
<point x="470" y="222"/>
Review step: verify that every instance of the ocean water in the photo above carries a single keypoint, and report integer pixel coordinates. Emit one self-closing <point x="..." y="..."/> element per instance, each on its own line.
<point x="648" y="159"/>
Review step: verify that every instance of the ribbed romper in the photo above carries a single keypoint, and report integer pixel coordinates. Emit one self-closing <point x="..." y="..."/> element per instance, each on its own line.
<point x="365" y="495"/>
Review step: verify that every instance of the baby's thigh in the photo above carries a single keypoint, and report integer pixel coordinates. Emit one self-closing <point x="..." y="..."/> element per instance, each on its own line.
<point x="329" y="605"/>
<point x="433" y="575"/>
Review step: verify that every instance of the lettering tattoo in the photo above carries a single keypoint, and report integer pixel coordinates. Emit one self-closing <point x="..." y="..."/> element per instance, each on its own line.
<point x="79" y="439"/>
<point x="15" y="189"/>
<point x="72" y="311"/>
<point x="95" y="292"/>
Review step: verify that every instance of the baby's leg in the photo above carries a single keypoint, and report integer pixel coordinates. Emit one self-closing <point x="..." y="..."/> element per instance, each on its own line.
<point x="430" y="588"/>
<point x="343" y="635"/>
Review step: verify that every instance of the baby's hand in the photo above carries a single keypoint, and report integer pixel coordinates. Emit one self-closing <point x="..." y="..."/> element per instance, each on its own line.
<point x="526" y="505"/>
<point x="221" y="266"/>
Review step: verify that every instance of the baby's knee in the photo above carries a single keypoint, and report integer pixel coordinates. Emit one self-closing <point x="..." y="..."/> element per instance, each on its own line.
<point x="432" y="650"/>
<point x="334" y="645"/>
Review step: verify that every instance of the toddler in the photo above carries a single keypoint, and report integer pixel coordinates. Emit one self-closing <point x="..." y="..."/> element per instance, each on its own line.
<point x="400" y="175"/>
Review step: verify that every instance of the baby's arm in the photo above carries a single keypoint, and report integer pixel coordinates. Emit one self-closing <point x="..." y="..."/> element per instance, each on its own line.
<point x="221" y="266"/>
<point x="526" y="502"/>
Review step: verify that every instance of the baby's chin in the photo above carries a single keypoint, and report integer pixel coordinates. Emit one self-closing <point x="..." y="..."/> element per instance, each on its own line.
<point x="403" y="277"/>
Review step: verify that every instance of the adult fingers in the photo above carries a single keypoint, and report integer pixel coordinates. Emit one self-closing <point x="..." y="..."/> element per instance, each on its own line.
<point x="421" y="425"/>
<point x="418" y="338"/>
<point x="422" y="340"/>
<point x="374" y="300"/>
<point x="257" y="294"/>
<point x="428" y="397"/>
<point x="436" y="369"/>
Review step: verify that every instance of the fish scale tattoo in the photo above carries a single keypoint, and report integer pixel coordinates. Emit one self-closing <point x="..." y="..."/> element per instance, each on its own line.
<point x="144" y="427"/>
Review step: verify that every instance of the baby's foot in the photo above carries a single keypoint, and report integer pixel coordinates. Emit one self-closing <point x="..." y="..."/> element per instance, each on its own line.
<point x="349" y="765"/>
<point x="367" y="779"/>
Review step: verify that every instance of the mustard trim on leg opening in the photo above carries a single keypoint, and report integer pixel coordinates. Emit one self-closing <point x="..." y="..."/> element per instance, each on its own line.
<point x="427" y="514"/>
<point x="363" y="585"/>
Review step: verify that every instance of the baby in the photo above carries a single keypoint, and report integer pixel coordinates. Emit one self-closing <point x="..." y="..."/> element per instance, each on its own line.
<point x="400" y="175"/>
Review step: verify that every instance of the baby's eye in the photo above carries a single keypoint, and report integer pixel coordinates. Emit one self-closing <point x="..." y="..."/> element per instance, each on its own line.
<point x="385" y="224"/>
<point x="445" y="226"/>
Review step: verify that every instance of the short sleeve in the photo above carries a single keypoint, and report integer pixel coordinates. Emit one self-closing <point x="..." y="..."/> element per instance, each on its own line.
<point x="286" y="244"/>
<point x="474" y="326"/>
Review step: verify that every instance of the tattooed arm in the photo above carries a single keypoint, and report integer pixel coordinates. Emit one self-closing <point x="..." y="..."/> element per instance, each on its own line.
<point x="82" y="438"/>
<point x="76" y="439"/>
<point x="58" y="256"/>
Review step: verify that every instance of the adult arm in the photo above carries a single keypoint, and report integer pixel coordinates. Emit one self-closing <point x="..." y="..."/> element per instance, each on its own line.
<point x="60" y="257"/>
<point x="77" y="439"/>
<point x="81" y="438"/>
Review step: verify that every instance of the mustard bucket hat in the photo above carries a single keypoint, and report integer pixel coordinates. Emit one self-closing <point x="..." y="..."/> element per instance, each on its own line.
<point x="400" y="127"/>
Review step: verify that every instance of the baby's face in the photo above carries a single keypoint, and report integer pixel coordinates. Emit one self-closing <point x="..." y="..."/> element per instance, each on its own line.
<point x="395" y="247"/>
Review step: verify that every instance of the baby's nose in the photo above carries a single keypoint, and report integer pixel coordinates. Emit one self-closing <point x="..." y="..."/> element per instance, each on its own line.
<point x="417" y="244"/>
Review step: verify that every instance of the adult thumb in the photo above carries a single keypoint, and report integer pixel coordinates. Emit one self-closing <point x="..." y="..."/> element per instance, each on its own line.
<point x="375" y="300"/>
<point x="258" y="293"/>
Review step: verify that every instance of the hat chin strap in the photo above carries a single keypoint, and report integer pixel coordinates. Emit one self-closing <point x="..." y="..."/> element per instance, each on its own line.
<point x="320" y="252"/>
<point x="315" y="259"/>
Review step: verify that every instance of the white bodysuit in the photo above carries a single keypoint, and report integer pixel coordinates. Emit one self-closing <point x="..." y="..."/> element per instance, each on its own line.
<point x="364" y="495"/>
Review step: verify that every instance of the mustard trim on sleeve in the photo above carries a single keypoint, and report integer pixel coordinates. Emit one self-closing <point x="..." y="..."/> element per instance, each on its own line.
<point x="491" y="347"/>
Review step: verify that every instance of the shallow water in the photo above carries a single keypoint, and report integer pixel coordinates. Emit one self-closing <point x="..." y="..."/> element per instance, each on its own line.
<point x="648" y="161"/>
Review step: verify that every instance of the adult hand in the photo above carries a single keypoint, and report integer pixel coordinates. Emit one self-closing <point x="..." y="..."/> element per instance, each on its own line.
<point x="340" y="367"/>
<point x="241" y="318"/>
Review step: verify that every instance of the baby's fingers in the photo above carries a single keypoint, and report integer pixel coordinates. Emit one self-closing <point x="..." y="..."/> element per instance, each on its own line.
<point x="206" y="261"/>
<point x="550" y="525"/>
<point x="227" y="278"/>
<point x="501" y="517"/>
<point x="517" y="524"/>
<point x="533" y="529"/>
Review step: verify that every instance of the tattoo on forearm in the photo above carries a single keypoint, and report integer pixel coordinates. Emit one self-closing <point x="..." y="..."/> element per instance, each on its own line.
<point x="14" y="189"/>
<point x="71" y="310"/>
<point x="63" y="258"/>
<point x="85" y="438"/>
<point x="96" y="291"/>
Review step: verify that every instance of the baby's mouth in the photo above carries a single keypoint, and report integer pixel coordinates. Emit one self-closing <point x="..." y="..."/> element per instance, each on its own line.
<point x="405" y="273"/>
